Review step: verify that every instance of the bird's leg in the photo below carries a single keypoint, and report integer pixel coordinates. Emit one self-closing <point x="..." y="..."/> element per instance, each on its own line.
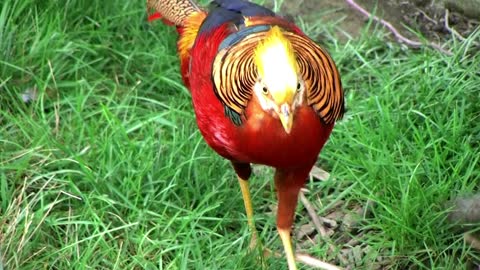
<point x="287" y="246"/>
<point x="244" y="171"/>
<point x="288" y="186"/>
<point x="249" y="210"/>
<point x="287" y="201"/>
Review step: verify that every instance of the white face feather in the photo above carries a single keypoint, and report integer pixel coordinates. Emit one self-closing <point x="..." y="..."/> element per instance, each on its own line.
<point x="267" y="101"/>
<point x="285" y="110"/>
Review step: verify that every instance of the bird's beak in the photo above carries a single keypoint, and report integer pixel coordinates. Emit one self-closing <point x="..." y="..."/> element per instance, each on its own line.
<point x="286" y="117"/>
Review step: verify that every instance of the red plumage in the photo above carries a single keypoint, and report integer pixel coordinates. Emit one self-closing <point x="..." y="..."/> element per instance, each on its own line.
<point x="259" y="141"/>
<point x="260" y="138"/>
<point x="300" y="148"/>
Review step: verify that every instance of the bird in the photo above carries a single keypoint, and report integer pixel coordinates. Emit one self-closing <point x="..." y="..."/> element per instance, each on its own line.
<point x="263" y="92"/>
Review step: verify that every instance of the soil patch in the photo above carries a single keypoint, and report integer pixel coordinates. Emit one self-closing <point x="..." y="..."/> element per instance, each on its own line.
<point x="432" y="19"/>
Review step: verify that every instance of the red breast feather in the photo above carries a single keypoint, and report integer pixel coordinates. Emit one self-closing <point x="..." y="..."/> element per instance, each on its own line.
<point x="261" y="137"/>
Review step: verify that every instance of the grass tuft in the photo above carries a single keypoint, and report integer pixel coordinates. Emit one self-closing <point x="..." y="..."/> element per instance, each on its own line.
<point x="104" y="167"/>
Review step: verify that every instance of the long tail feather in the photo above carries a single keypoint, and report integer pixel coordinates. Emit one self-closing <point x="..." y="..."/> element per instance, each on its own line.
<point x="173" y="11"/>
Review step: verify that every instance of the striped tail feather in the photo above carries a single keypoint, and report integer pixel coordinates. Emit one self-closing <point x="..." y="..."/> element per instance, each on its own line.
<point x="172" y="12"/>
<point x="187" y="17"/>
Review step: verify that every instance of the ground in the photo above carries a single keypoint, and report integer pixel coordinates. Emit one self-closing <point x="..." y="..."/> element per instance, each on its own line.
<point x="411" y="18"/>
<point x="102" y="165"/>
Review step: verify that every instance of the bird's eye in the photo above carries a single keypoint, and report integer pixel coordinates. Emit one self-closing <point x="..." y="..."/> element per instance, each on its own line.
<point x="299" y="86"/>
<point x="265" y="90"/>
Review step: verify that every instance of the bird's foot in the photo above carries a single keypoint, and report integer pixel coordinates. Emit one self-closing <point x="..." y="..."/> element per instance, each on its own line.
<point x="305" y="259"/>
<point x="254" y="242"/>
<point x="256" y="247"/>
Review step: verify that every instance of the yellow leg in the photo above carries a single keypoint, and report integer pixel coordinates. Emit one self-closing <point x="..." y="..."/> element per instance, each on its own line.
<point x="247" y="200"/>
<point x="287" y="246"/>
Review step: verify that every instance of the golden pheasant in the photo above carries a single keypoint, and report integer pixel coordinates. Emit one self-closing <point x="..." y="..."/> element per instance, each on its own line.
<point x="263" y="92"/>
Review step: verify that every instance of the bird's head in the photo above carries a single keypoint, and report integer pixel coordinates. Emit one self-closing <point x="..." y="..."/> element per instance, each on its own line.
<point x="279" y="87"/>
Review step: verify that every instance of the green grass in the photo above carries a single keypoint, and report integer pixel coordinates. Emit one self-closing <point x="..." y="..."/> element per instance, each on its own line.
<point x="107" y="170"/>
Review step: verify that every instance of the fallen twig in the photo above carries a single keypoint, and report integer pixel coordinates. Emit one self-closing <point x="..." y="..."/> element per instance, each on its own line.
<point x="319" y="174"/>
<point x="318" y="223"/>
<point x="313" y="215"/>
<point x="395" y="32"/>
<point x="453" y="31"/>
<point x="313" y="262"/>
<point x="305" y="259"/>
<point x="426" y="16"/>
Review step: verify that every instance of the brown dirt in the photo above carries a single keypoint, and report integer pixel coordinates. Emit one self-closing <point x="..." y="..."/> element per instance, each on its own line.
<point x="424" y="17"/>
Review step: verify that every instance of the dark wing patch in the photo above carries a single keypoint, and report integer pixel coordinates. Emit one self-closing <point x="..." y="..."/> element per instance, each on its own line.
<point x="232" y="12"/>
<point x="245" y="8"/>
<point x="219" y="16"/>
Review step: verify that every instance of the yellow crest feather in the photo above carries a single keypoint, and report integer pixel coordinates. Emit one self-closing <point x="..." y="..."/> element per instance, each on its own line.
<point x="275" y="39"/>
<point x="277" y="65"/>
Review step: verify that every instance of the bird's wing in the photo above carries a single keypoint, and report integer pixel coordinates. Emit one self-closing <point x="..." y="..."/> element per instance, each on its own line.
<point x="233" y="12"/>
<point x="234" y="74"/>
<point x="233" y="71"/>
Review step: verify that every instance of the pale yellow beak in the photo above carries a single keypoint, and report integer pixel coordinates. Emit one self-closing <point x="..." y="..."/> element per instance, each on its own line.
<point x="286" y="117"/>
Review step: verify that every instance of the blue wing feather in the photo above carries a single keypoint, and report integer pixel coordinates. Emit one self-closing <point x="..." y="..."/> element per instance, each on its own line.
<point x="231" y="11"/>
<point x="245" y="8"/>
